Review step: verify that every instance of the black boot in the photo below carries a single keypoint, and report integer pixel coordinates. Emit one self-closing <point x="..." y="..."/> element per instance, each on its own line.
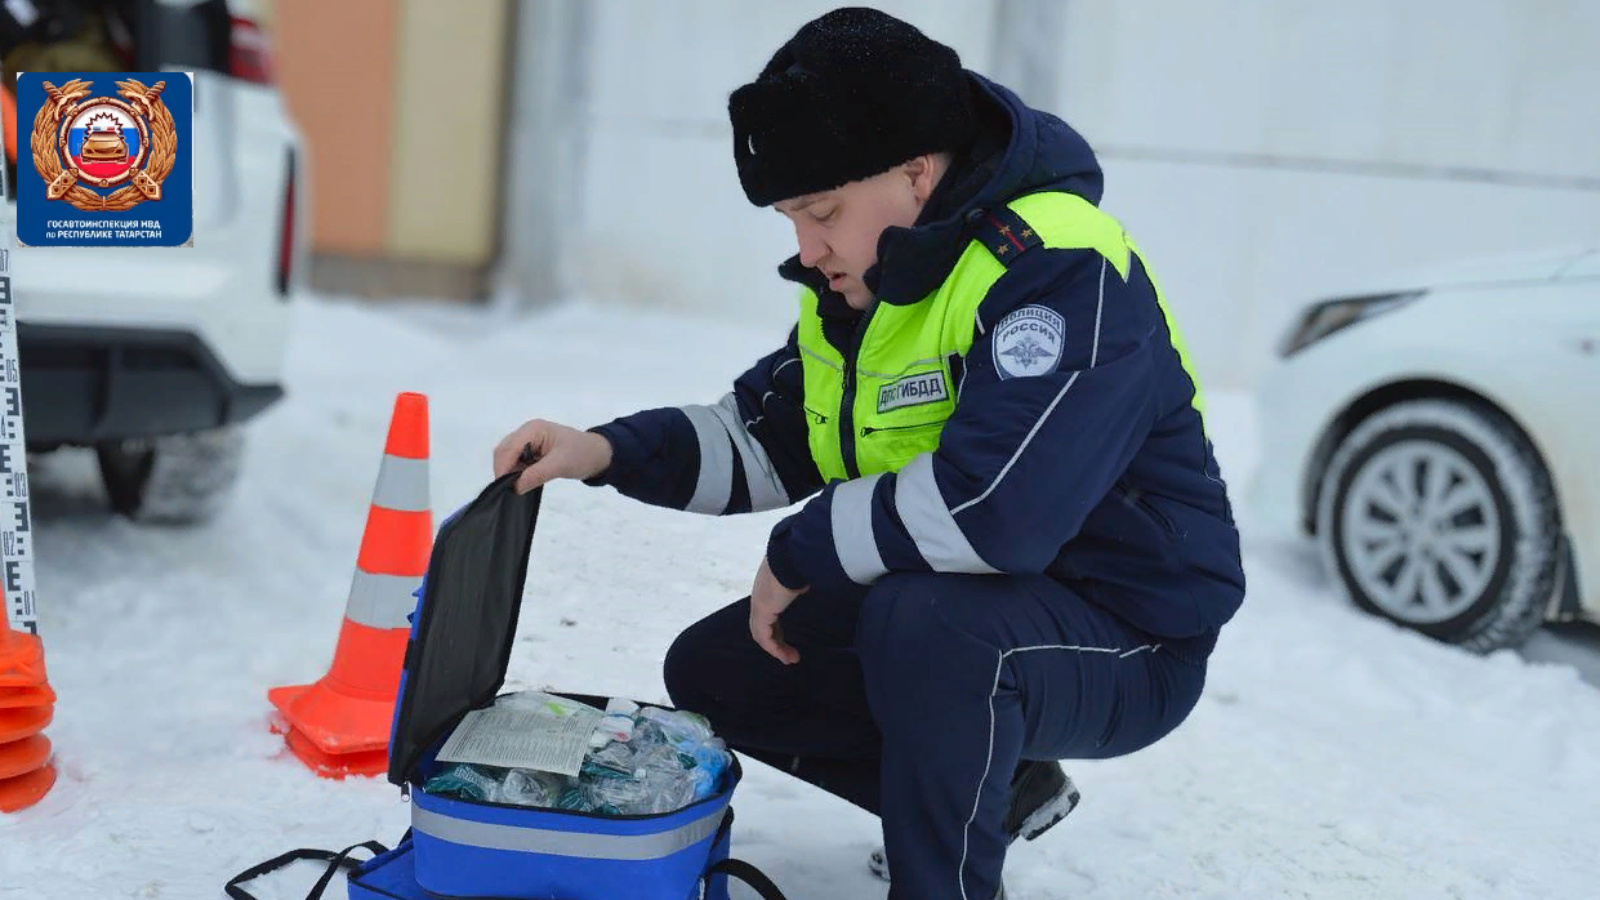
<point x="1041" y="796"/>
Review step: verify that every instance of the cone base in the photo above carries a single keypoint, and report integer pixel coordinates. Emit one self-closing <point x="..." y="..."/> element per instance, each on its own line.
<point x="336" y="723"/>
<point x="282" y="698"/>
<point x="23" y="791"/>
<point x="16" y="724"/>
<point x="336" y="765"/>
<point x="14" y="697"/>
<point x="18" y="758"/>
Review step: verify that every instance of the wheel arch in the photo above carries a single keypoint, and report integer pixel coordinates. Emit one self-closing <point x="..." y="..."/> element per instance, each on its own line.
<point x="1382" y="397"/>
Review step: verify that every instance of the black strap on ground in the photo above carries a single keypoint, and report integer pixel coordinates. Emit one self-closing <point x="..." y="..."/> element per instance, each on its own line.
<point x="335" y="861"/>
<point x="738" y="868"/>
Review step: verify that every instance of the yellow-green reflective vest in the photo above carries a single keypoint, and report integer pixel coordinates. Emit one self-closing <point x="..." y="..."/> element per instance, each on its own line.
<point x="891" y="403"/>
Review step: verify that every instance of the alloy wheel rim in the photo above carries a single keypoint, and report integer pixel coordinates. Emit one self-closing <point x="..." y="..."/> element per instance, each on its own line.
<point x="1420" y="531"/>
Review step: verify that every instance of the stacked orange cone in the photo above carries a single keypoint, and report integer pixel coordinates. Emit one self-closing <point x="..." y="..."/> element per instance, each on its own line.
<point x="340" y="725"/>
<point x="27" y="704"/>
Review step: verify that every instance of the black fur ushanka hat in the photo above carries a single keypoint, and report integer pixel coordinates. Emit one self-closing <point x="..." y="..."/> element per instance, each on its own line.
<point x="853" y="94"/>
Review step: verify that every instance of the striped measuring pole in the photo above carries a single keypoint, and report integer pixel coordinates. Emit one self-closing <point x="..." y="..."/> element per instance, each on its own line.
<point x="16" y="521"/>
<point x="27" y="704"/>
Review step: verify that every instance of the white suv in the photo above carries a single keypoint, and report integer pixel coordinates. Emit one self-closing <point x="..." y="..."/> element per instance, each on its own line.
<point x="155" y="356"/>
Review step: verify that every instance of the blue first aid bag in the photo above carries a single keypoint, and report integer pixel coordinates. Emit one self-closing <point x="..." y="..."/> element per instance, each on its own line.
<point x="461" y="639"/>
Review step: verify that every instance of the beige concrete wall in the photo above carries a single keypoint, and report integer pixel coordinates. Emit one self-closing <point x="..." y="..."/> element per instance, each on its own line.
<point x="444" y="180"/>
<point x="336" y="66"/>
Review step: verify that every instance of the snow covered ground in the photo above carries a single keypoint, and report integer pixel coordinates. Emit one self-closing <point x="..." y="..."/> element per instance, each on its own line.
<point x="1332" y="755"/>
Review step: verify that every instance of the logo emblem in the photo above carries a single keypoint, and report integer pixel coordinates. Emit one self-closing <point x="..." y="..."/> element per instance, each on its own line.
<point x="82" y="143"/>
<point x="111" y="159"/>
<point x="1029" y="342"/>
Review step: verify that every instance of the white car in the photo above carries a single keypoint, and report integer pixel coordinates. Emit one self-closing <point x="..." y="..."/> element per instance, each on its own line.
<point x="155" y="356"/>
<point x="1441" y="439"/>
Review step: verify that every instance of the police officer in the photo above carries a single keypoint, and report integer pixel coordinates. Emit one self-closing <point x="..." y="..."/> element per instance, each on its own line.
<point x="1015" y="545"/>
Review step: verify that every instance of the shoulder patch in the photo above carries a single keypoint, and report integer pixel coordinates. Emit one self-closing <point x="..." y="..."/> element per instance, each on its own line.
<point x="1029" y="341"/>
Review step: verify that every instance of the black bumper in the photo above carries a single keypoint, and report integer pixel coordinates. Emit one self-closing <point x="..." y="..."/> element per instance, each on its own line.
<point x="84" y="385"/>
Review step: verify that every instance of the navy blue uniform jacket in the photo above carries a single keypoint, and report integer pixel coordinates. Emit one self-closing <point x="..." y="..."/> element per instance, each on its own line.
<point x="1098" y="473"/>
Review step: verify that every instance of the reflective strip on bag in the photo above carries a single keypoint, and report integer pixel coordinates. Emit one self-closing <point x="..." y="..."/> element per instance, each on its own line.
<point x="574" y="844"/>
<point x="402" y="484"/>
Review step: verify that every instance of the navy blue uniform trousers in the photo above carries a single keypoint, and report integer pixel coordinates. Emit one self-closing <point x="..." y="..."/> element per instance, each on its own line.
<point x="917" y="699"/>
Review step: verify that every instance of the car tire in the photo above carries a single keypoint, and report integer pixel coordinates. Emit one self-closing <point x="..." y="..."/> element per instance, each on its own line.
<point x="1438" y="514"/>
<point x="175" y="479"/>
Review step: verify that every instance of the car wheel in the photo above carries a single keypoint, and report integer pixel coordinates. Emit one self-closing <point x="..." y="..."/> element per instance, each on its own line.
<point x="175" y="479"/>
<point x="1438" y="515"/>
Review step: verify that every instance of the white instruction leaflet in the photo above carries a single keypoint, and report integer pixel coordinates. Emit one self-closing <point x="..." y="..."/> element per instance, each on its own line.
<point x="522" y="739"/>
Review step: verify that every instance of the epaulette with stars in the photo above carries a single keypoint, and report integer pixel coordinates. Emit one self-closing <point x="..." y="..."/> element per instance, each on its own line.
<point x="1005" y="234"/>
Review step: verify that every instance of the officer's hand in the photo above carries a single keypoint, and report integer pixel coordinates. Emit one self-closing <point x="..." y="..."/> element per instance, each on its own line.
<point x="545" y="451"/>
<point x="768" y="599"/>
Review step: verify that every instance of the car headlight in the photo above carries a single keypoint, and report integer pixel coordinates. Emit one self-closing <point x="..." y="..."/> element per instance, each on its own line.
<point x="1330" y="316"/>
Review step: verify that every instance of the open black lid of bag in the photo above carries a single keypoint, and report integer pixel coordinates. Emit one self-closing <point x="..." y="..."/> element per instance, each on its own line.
<point x="463" y="631"/>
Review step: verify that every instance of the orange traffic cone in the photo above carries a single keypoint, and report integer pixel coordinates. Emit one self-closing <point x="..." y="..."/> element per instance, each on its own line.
<point x="340" y="725"/>
<point x="27" y="705"/>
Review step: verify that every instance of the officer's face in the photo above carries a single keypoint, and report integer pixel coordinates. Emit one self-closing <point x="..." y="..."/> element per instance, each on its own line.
<point x="838" y="230"/>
